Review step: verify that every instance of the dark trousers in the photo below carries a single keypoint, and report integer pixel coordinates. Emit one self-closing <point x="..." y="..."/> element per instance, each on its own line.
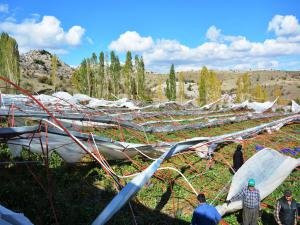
<point x="250" y="216"/>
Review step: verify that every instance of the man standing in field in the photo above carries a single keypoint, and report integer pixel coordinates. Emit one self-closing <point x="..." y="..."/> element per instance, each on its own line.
<point x="205" y="214"/>
<point x="286" y="210"/>
<point x="238" y="159"/>
<point x="251" y="203"/>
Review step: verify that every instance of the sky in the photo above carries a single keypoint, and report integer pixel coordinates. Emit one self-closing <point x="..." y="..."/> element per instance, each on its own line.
<point x="223" y="35"/>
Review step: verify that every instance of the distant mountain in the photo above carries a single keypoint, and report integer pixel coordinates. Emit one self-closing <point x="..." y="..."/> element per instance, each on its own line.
<point x="37" y="63"/>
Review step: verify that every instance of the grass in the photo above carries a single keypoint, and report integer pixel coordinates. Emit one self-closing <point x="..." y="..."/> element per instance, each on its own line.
<point x="82" y="190"/>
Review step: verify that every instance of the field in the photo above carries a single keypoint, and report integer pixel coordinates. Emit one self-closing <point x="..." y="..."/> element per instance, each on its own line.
<point x="63" y="193"/>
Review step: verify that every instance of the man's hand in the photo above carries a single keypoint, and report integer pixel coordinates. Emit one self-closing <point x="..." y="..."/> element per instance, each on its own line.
<point x="227" y="202"/>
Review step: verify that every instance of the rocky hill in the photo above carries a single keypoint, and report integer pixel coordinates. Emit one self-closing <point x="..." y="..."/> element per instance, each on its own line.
<point x="37" y="63"/>
<point x="36" y="71"/>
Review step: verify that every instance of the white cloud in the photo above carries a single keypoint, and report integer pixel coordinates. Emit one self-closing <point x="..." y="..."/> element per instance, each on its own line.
<point x="131" y="40"/>
<point x="45" y="34"/>
<point x="3" y="8"/>
<point x="284" y="25"/>
<point x="220" y="52"/>
<point x="213" y="33"/>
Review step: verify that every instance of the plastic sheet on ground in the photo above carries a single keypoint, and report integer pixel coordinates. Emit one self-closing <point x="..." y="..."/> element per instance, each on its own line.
<point x="268" y="168"/>
<point x="142" y="178"/>
<point x="295" y="107"/>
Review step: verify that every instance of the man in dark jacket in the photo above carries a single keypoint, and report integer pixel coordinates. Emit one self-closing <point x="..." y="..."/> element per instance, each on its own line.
<point x="286" y="210"/>
<point x="238" y="159"/>
<point x="205" y="214"/>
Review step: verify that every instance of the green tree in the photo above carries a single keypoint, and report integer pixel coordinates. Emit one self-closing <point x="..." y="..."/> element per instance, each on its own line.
<point x="243" y="92"/>
<point x="101" y="74"/>
<point x="181" y="87"/>
<point x="258" y="93"/>
<point x="140" y="72"/>
<point x="246" y="86"/>
<point x="80" y="79"/>
<point x="128" y="70"/>
<point x="213" y="87"/>
<point x="9" y="59"/>
<point x="278" y="94"/>
<point x="172" y="83"/>
<point x="202" y="86"/>
<point x="54" y="71"/>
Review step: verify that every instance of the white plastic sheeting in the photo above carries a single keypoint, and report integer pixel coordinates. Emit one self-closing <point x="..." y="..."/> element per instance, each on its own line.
<point x="295" y="107"/>
<point x="141" y="179"/>
<point x="8" y="217"/>
<point x="268" y="168"/>
<point x="71" y="152"/>
<point x="255" y="106"/>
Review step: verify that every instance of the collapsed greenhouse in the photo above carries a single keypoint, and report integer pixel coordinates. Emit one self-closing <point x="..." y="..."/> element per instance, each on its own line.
<point x="159" y="156"/>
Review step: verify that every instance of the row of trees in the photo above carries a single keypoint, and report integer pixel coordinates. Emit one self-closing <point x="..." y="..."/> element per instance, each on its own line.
<point x="209" y="86"/>
<point x="107" y="78"/>
<point x="9" y="58"/>
<point x="258" y="93"/>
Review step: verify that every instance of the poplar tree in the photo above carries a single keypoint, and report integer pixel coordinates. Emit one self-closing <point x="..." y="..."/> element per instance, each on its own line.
<point x="54" y="71"/>
<point x="117" y="77"/>
<point x="181" y="87"/>
<point x="172" y="83"/>
<point x="128" y="74"/>
<point x="202" y="86"/>
<point x="246" y="86"/>
<point x="93" y="74"/>
<point x="243" y="88"/>
<point x="101" y="74"/>
<point x="258" y="93"/>
<point x="140" y="77"/>
<point x="278" y="94"/>
<point x="9" y="59"/>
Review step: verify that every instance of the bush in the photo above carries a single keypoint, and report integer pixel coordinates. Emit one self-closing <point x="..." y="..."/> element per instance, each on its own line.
<point x="45" y="80"/>
<point x="44" y="52"/>
<point x="38" y="61"/>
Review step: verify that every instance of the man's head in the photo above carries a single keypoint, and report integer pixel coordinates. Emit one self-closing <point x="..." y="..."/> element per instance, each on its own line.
<point x="251" y="184"/>
<point x="201" y="198"/>
<point x="288" y="195"/>
<point x="239" y="148"/>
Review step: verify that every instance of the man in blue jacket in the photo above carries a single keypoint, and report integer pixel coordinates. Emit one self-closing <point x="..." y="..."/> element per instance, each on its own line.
<point x="205" y="214"/>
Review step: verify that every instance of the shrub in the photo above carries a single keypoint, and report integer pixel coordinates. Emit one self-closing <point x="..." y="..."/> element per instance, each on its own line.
<point x="45" y="80"/>
<point x="38" y="61"/>
<point x="44" y="52"/>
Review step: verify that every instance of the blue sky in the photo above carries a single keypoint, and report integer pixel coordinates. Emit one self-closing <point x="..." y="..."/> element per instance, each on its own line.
<point x="219" y="34"/>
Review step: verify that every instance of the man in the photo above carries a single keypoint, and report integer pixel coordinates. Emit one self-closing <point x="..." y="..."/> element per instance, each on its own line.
<point x="205" y="214"/>
<point x="251" y="203"/>
<point x="286" y="210"/>
<point x="238" y="159"/>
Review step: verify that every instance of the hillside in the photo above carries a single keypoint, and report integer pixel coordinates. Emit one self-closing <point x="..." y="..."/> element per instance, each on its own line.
<point x="289" y="81"/>
<point x="36" y="69"/>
